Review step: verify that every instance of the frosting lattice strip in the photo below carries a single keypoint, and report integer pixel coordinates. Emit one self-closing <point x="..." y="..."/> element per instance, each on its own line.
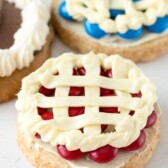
<point x="78" y="101"/>
<point x="93" y="118"/>
<point x="130" y="85"/>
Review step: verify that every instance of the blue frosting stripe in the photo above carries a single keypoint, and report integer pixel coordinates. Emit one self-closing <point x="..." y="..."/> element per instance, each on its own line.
<point x="93" y="29"/>
<point x="63" y="11"/>
<point x="160" y="25"/>
<point x="132" y="34"/>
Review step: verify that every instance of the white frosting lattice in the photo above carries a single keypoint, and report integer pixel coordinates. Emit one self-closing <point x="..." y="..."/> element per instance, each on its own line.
<point x="64" y="130"/>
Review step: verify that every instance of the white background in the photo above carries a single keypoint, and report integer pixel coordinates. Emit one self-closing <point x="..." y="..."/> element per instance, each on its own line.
<point x="157" y="71"/>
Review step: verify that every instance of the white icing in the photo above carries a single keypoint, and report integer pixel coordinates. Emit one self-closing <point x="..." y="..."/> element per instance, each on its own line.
<point x="97" y="11"/>
<point x="29" y="38"/>
<point x="64" y="129"/>
<point x="23" y="55"/>
<point x="140" y="5"/>
<point x="109" y="40"/>
<point x="7" y="62"/>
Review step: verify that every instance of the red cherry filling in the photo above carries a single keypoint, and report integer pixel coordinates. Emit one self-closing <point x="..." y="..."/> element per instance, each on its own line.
<point x="38" y="136"/>
<point x="75" y="111"/>
<point x="108" y="73"/>
<point x="47" y="116"/>
<point x="41" y="110"/>
<point x="74" y="71"/>
<point x="138" y="143"/>
<point x="109" y="109"/>
<point x="68" y="155"/>
<point x="151" y="120"/>
<point x="76" y="91"/>
<point x="45" y="91"/>
<point x="104" y="92"/>
<point x="132" y="113"/>
<point x="102" y="72"/>
<point x="103" y="127"/>
<point x="103" y="154"/>
<point x="137" y="94"/>
<point x="81" y="71"/>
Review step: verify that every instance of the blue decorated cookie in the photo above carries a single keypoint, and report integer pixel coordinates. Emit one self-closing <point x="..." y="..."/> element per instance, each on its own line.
<point x="116" y="19"/>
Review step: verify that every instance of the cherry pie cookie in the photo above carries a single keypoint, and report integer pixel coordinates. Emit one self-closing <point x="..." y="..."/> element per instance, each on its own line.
<point x="136" y="29"/>
<point x="25" y="44"/>
<point x="88" y="111"/>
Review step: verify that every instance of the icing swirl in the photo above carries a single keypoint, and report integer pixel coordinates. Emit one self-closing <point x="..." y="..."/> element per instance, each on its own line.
<point x="63" y="130"/>
<point x="7" y="62"/>
<point x="29" y="38"/>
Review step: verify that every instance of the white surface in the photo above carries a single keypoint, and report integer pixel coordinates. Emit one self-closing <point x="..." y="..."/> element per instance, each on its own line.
<point x="157" y="71"/>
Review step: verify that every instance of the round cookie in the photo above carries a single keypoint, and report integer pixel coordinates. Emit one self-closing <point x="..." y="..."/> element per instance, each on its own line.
<point x="73" y="35"/>
<point x="85" y="103"/>
<point x="25" y="45"/>
<point x="40" y="158"/>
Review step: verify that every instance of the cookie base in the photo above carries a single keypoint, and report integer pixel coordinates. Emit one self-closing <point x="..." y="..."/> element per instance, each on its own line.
<point x="145" y="52"/>
<point x="9" y="86"/>
<point x="41" y="158"/>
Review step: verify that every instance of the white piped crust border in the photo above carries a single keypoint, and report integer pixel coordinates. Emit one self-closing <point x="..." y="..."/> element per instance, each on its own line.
<point x="29" y="38"/>
<point x="97" y="11"/>
<point x="64" y="129"/>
